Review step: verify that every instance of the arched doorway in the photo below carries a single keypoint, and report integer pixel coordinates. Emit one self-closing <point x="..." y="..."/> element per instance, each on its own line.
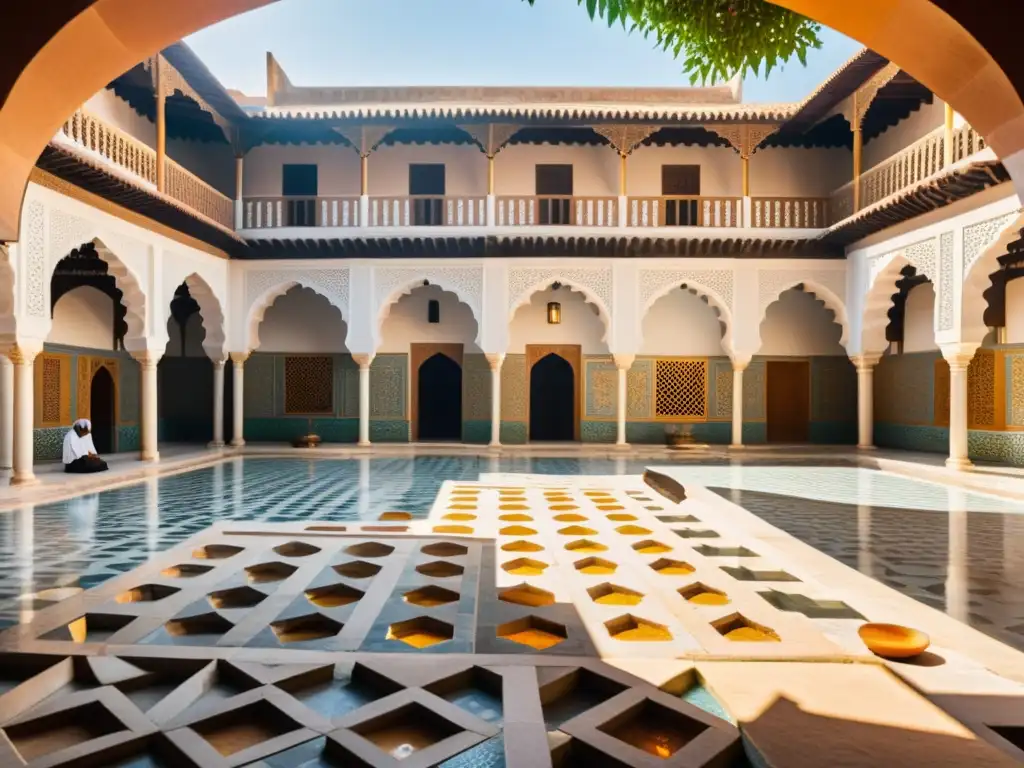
<point x="439" y="395"/>
<point x="101" y="410"/>
<point x="552" y="399"/>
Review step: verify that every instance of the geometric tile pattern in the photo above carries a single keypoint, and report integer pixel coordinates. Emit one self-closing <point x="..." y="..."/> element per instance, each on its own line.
<point x="388" y="374"/>
<point x="640" y="390"/>
<point x="903" y="388"/>
<point x="601" y="389"/>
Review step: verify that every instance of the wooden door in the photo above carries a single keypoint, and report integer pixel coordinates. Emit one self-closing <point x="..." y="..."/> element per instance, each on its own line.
<point x="418" y="355"/>
<point x="789" y="401"/>
<point x="573" y="355"/>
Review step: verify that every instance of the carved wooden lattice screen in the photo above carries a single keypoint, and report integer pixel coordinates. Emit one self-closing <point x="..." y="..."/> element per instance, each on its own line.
<point x="51" y="391"/>
<point x="986" y="383"/>
<point x="309" y="385"/>
<point x="681" y="389"/>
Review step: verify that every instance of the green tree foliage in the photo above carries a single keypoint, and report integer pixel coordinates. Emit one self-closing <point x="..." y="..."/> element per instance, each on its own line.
<point x="716" y="38"/>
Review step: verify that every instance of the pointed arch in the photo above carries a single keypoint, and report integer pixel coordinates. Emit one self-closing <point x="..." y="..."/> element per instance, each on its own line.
<point x="547" y="281"/>
<point x="883" y="277"/>
<point x="984" y="243"/>
<point x="212" y="313"/>
<point x="133" y="297"/>
<point x="263" y="302"/>
<point x="394" y="291"/>
<point x="820" y="291"/>
<point x="712" y="297"/>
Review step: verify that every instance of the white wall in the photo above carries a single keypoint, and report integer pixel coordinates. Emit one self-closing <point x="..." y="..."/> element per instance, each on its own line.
<point x="1015" y="311"/>
<point x="83" y="317"/>
<point x="798" y="325"/>
<point x="214" y="163"/>
<point x="337" y="169"/>
<point x="919" y="319"/>
<point x="681" y="324"/>
<point x="407" y="323"/>
<point x="302" y="321"/>
<point x="195" y="333"/>
<point x="903" y="134"/>
<point x="580" y="323"/>
<point x="797" y="172"/>
<point x="465" y="168"/>
<point x="595" y="169"/>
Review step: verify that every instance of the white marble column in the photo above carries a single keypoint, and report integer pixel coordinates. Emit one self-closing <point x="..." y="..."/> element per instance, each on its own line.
<point x="6" y="413"/>
<point x="364" y="397"/>
<point x="495" y="361"/>
<point x="218" y="404"/>
<point x="738" y="367"/>
<point x="149" y="420"/>
<point x="959" y="358"/>
<point x="865" y="555"/>
<point x="23" y="356"/>
<point x="238" y="398"/>
<point x="865" y="365"/>
<point x="622" y="365"/>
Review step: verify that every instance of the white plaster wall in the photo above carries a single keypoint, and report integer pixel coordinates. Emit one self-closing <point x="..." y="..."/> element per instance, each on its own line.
<point x="214" y="163"/>
<point x="798" y="172"/>
<point x="337" y="169"/>
<point x="109" y="108"/>
<point x="194" y="335"/>
<point x="83" y="317"/>
<point x="799" y="325"/>
<point x="919" y="320"/>
<point x="681" y="324"/>
<point x="302" y="321"/>
<point x="580" y="323"/>
<point x="407" y="322"/>
<point x="595" y="170"/>
<point x="465" y="168"/>
<point x="1015" y="312"/>
<point x="903" y="134"/>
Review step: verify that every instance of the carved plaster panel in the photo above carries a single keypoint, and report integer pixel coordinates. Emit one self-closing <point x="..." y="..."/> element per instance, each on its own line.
<point x="945" y="286"/>
<point x="978" y="237"/>
<point x="491" y="137"/>
<point x="35" y="260"/>
<point x="655" y="281"/>
<point x="921" y="255"/>
<point x="744" y="138"/>
<point x="331" y="283"/>
<point x="465" y="282"/>
<point x="625" y="138"/>
<point x="772" y="283"/>
<point x="522" y="281"/>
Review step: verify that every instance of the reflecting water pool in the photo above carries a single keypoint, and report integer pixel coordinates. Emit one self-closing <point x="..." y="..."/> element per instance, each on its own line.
<point x="959" y="552"/>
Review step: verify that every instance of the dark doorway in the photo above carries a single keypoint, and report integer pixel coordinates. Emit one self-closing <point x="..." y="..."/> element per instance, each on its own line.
<point x="554" y="188"/>
<point x="300" y="186"/>
<point x="439" y="402"/>
<point x="101" y="411"/>
<point x="680" y="181"/>
<point x="552" y="400"/>
<point x="427" y="188"/>
<point x="789" y="401"/>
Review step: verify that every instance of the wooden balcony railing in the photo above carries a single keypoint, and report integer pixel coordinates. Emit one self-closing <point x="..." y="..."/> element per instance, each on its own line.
<point x="131" y="155"/>
<point x="915" y="163"/>
<point x="966" y="142"/>
<point x="427" y="211"/>
<point x="795" y="212"/>
<point x="276" y="212"/>
<point x="685" y="211"/>
<point x="557" y="210"/>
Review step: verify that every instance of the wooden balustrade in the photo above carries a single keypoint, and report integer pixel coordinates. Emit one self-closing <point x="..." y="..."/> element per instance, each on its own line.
<point x="840" y="203"/>
<point x="911" y="165"/>
<point x="276" y="212"/>
<point x="685" y="211"/>
<point x="427" y="211"/>
<point x="795" y="212"/>
<point x="966" y="142"/>
<point x="131" y="155"/>
<point x="557" y="210"/>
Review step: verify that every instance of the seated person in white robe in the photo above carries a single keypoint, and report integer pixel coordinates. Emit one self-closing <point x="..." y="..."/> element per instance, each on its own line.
<point x="80" y="452"/>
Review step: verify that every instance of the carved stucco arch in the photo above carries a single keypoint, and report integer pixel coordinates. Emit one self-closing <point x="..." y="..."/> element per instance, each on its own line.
<point x="772" y="290"/>
<point x="652" y="292"/>
<point x="264" y="301"/>
<point x="211" y="312"/>
<point x="391" y="284"/>
<point x="884" y="272"/>
<point x="984" y="243"/>
<point x="524" y="283"/>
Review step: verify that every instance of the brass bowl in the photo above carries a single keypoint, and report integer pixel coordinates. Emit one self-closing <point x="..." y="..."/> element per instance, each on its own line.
<point x="891" y="641"/>
<point x="307" y="441"/>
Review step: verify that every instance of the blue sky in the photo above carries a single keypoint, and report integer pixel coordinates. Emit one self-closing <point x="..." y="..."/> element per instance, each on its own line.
<point x="457" y="42"/>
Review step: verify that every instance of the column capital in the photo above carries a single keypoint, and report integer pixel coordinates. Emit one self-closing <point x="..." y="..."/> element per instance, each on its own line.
<point x="740" y="363"/>
<point x="623" y="361"/>
<point x="218" y="362"/>
<point x="495" y="359"/>
<point x="239" y="358"/>
<point x="959" y="355"/>
<point x="147" y="358"/>
<point x="363" y="361"/>
<point x="865" y="362"/>
<point x="24" y="352"/>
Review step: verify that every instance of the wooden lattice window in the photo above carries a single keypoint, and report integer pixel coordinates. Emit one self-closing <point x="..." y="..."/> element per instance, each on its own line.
<point x="51" y="394"/>
<point x="681" y="389"/>
<point x="309" y="385"/>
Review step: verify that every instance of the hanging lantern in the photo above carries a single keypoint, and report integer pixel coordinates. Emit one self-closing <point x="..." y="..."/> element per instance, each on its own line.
<point x="554" y="313"/>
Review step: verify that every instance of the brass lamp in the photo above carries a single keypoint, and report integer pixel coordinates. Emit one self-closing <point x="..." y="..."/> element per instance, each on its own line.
<point x="554" y="313"/>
